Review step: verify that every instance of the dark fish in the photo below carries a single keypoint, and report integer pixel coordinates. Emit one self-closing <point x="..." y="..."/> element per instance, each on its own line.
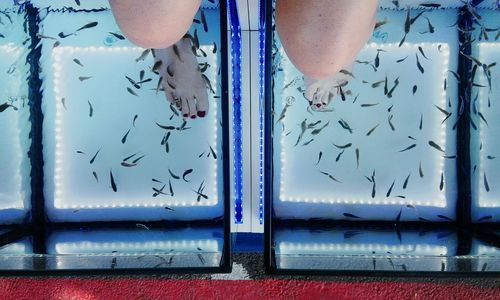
<point x="419" y="66"/>
<point x="350" y="234"/>
<point x="482" y="118"/>
<point x="170" y="188"/>
<point x="485" y="218"/>
<point x="91" y="109"/>
<point x="95" y="176"/>
<point x="357" y="157"/>
<point x="209" y="84"/>
<point x="405" y="184"/>
<point x="372" y="130"/>
<point x="319" y="157"/>
<point x="128" y="165"/>
<point x="186" y="173"/>
<point x="113" y="261"/>
<point x="135" y="161"/>
<point x="131" y="92"/>
<point x="401" y="59"/>
<point x="377" y="84"/>
<point x="396" y="83"/>
<point x="77" y="61"/>
<point x="436" y="146"/>
<point x="398" y="217"/>
<point x="345" y="125"/>
<point x="433" y="5"/>
<point x="386" y="87"/>
<point x="168" y="208"/>
<point x="330" y="176"/>
<point x="213" y="152"/>
<point x="343" y="146"/>
<point x="173" y="175"/>
<point x="420" y="171"/>
<point x="83" y="78"/>
<point x="87" y="26"/>
<point x="429" y="25"/>
<point x="351" y="216"/>
<point x="486" y="185"/>
<point x="77" y="2"/>
<point x="113" y="183"/>
<point x="369" y="104"/>
<point x="377" y="59"/>
<point x="204" y="21"/>
<point x="414" y="90"/>
<point x="176" y="52"/>
<point x="143" y="55"/>
<point x="390" y="189"/>
<point x="441" y="184"/>
<point x="124" y="138"/>
<point x="389" y="120"/>
<point x="95" y="156"/>
<point x="490" y="157"/>
<point x="117" y="35"/>
<point x="444" y="218"/>
<point x="421" y="50"/>
<point x="421" y="121"/>
<point x="408" y="148"/>
<point x="4" y="106"/>
<point x="345" y="72"/>
<point x="135" y="119"/>
<point x="157" y="66"/>
<point x="166" y="127"/>
<point x="215" y="48"/>
<point x="142" y="226"/>
<point x="308" y="142"/>
<point x="318" y="130"/>
<point x="129" y="157"/>
<point x="339" y="155"/>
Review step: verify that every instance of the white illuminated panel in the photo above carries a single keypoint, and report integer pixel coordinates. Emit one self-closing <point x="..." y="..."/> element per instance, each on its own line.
<point x="15" y="167"/>
<point x="303" y="188"/>
<point x="93" y="121"/>
<point x="485" y="112"/>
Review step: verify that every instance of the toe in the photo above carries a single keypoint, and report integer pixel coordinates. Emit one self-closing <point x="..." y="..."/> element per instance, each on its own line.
<point x="317" y="100"/>
<point x="185" y="107"/>
<point x="192" y="107"/>
<point x="202" y="103"/>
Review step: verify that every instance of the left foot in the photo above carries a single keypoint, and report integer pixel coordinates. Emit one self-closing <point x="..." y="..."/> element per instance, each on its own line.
<point x="320" y="92"/>
<point x="182" y="80"/>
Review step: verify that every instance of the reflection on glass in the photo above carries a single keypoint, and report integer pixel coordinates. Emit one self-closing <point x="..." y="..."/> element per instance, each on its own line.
<point x="139" y="247"/>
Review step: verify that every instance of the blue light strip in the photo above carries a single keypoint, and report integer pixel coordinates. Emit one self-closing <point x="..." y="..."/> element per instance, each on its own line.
<point x="237" y="121"/>
<point x="262" y="60"/>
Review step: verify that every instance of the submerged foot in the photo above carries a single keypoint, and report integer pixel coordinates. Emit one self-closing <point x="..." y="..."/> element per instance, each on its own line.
<point x="182" y="79"/>
<point x="321" y="92"/>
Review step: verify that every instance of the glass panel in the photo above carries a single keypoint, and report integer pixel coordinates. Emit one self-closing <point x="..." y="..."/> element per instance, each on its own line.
<point x="114" y="149"/>
<point x="15" y="127"/>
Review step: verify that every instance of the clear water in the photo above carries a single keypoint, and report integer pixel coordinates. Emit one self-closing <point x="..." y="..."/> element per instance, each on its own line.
<point x="386" y="147"/>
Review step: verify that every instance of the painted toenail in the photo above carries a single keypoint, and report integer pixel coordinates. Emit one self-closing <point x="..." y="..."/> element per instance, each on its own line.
<point x="201" y="114"/>
<point x="193" y="117"/>
<point x="185" y="115"/>
<point x="318" y="105"/>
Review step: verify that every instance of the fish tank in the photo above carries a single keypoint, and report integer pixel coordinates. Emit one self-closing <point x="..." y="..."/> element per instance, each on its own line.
<point x="398" y="173"/>
<point x="99" y="173"/>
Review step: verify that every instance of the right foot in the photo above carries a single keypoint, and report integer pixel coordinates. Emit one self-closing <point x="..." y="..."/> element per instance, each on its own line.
<point x="320" y="92"/>
<point x="182" y="79"/>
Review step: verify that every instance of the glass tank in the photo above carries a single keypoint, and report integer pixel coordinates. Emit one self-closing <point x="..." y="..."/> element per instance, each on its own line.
<point x="397" y="172"/>
<point x="98" y="170"/>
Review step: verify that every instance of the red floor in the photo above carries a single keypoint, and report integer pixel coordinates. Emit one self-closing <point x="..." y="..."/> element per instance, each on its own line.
<point x="156" y="288"/>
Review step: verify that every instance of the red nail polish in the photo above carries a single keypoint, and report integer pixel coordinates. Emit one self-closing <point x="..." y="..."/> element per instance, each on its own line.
<point x="185" y="115"/>
<point x="318" y="105"/>
<point x="201" y="114"/>
<point x="193" y="117"/>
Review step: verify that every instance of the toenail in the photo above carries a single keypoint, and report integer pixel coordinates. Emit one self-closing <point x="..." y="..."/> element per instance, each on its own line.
<point x="318" y="105"/>
<point x="185" y="115"/>
<point x="193" y="117"/>
<point x="201" y="114"/>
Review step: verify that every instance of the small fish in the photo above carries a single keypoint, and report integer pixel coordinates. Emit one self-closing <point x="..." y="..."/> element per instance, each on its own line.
<point x="420" y="171"/>
<point x="357" y="157"/>
<point x="170" y="188"/>
<point x="173" y="175"/>
<point x="421" y="121"/>
<point x="156" y="67"/>
<point x="113" y="183"/>
<point x="135" y="161"/>
<point x="143" y="55"/>
<point x="204" y="21"/>
<point x="307" y="142"/>
<point x="401" y="59"/>
<point x="142" y="226"/>
<point x="377" y="84"/>
<point x="124" y="138"/>
<point x="83" y="78"/>
<point x="319" y="157"/>
<point x="213" y="152"/>
<point x="318" y="130"/>
<point x="405" y="184"/>
<point x="132" y="92"/>
<point x="421" y="50"/>
<point x="398" y="217"/>
<point x="441" y="183"/>
<point x="87" y="26"/>
<point x="369" y="104"/>
<point x="372" y="130"/>
<point x="486" y="185"/>
<point x="351" y="216"/>
<point x="343" y="146"/>
<point x="95" y="156"/>
<point x="396" y="83"/>
<point x="408" y="148"/>
<point x="214" y="48"/>
<point x="436" y="146"/>
<point x="95" y="176"/>
<point x="91" y="109"/>
<point x="117" y="35"/>
<point x="77" y="61"/>
<point x="414" y="90"/>
<point x="135" y="119"/>
<point x="419" y="66"/>
<point x="330" y="176"/>
<point x="345" y="125"/>
<point x="345" y="72"/>
<point x="186" y="173"/>
<point x="390" y="189"/>
<point x="429" y="25"/>
<point x="176" y="52"/>
<point x="113" y="261"/>
<point x="444" y="218"/>
<point x="389" y="120"/>
<point x="485" y="218"/>
<point x="209" y="84"/>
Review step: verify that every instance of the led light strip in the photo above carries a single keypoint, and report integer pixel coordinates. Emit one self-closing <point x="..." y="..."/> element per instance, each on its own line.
<point x="58" y="195"/>
<point x="482" y="200"/>
<point x="345" y="248"/>
<point x="78" y="247"/>
<point x="445" y="50"/>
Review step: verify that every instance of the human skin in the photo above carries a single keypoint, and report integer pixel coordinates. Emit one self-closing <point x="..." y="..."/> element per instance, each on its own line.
<point x="154" y="23"/>
<point x="323" y="36"/>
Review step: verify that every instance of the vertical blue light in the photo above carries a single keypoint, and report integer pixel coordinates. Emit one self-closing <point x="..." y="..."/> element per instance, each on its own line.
<point x="262" y="59"/>
<point x="237" y="126"/>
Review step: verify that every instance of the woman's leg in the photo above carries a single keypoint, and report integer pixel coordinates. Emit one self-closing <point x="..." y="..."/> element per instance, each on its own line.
<point x="161" y="25"/>
<point x="154" y="23"/>
<point x="323" y="36"/>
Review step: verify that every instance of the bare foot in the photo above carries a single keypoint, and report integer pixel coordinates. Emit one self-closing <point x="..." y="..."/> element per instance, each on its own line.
<point x="182" y="79"/>
<point x="320" y="92"/>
